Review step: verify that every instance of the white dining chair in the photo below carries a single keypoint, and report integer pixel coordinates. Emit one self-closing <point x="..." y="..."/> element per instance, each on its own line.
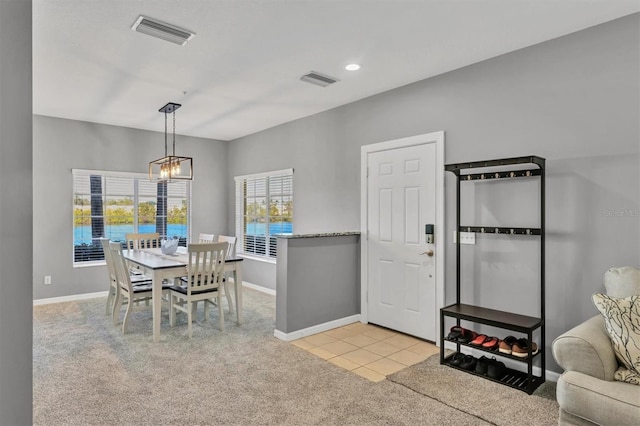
<point x="206" y="238"/>
<point x="231" y="253"/>
<point x="127" y="293"/>
<point x="205" y="274"/>
<point x="137" y="278"/>
<point x="142" y="241"/>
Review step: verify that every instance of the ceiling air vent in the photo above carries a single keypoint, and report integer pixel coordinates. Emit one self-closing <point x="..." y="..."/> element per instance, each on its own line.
<point x="162" y="30"/>
<point x="318" y="79"/>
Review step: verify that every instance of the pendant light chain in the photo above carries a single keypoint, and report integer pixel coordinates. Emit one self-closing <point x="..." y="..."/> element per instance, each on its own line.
<point x="174" y="132"/>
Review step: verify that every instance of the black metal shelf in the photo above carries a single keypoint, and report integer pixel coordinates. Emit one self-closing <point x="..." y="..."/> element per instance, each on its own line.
<point x="501" y="169"/>
<point x="493" y="317"/>
<point x="530" y="159"/>
<point x="512" y="378"/>
<point x="509" y="174"/>
<point x="493" y="351"/>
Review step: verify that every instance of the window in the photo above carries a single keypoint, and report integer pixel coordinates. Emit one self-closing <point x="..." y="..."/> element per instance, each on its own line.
<point x="264" y="208"/>
<point x="112" y="204"/>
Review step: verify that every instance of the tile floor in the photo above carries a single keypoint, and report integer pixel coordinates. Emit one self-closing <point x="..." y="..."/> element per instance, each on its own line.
<point x="367" y="350"/>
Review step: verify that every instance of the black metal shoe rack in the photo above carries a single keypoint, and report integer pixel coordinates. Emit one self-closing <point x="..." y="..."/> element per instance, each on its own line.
<point x="525" y="381"/>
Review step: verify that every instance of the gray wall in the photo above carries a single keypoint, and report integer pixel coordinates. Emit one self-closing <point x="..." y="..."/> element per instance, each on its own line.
<point x="573" y="100"/>
<point x="318" y="281"/>
<point x="61" y="145"/>
<point x="15" y="213"/>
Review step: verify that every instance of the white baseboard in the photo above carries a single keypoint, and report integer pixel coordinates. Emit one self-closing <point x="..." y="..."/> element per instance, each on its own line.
<point x="288" y="337"/>
<point x="97" y="294"/>
<point x="259" y="288"/>
<point x="552" y="376"/>
<point x="70" y="298"/>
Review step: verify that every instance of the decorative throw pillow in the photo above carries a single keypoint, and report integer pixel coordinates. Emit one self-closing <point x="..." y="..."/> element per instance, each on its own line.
<point x="622" y="322"/>
<point x="622" y="282"/>
<point x="624" y="375"/>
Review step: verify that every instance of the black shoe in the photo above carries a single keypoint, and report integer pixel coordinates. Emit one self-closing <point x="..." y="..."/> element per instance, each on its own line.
<point x="456" y="359"/>
<point x="482" y="365"/>
<point x="468" y="363"/>
<point x="495" y="369"/>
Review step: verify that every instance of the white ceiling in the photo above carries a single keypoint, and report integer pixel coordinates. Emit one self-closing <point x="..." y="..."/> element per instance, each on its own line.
<point x="241" y="71"/>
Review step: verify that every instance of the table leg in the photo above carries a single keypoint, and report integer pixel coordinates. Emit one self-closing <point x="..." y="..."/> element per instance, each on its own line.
<point x="237" y="281"/>
<point x="157" y="305"/>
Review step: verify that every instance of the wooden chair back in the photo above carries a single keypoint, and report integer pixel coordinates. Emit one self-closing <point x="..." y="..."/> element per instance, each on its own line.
<point x="231" y="250"/>
<point x="206" y="238"/>
<point x="142" y="241"/>
<point x="109" y="260"/>
<point x="205" y="270"/>
<point x="120" y="266"/>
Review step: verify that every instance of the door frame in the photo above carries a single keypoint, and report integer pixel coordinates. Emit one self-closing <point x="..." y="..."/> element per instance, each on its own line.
<point x="436" y="138"/>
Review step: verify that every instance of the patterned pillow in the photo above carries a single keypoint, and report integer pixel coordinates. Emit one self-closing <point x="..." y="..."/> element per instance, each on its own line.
<point x="622" y="321"/>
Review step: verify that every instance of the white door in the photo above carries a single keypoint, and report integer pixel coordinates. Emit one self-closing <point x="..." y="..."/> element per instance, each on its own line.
<point x="401" y="276"/>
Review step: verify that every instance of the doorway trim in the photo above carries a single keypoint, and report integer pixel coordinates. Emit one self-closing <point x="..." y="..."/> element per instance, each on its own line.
<point x="440" y="235"/>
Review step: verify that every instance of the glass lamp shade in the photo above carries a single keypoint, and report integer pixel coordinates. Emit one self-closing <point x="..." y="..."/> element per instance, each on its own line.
<point x="171" y="168"/>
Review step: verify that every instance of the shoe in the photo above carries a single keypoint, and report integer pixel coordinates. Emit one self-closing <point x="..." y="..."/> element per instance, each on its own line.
<point x="491" y="343"/>
<point x="455" y="332"/>
<point x="467" y="336"/>
<point x="506" y="344"/>
<point x="521" y="348"/>
<point x="479" y="340"/>
<point x="495" y="369"/>
<point x="468" y="363"/>
<point x="456" y="359"/>
<point x="482" y="365"/>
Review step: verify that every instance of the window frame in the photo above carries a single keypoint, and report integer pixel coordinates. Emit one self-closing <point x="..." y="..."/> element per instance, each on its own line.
<point x="240" y="212"/>
<point x="137" y="196"/>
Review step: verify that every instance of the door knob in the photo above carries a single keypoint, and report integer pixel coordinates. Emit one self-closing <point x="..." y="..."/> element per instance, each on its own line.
<point x="428" y="253"/>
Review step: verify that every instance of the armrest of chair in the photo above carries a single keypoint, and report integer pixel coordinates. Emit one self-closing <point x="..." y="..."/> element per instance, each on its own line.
<point x="586" y="349"/>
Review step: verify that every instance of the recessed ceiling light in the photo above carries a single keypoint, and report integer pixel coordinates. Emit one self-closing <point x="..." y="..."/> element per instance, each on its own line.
<point x="352" y="67"/>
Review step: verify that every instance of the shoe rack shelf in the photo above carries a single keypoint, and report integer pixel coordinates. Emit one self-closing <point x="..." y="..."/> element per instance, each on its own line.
<point x="510" y="377"/>
<point x="508" y="168"/>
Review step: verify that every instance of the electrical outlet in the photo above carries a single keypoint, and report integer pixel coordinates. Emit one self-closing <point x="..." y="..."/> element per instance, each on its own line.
<point x="47" y="279"/>
<point x="465" y="237"/>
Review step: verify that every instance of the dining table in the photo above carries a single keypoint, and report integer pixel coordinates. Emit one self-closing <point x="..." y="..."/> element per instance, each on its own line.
<point x="160" y="267"/>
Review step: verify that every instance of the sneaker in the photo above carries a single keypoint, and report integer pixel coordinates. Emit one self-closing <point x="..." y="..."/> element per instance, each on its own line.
<point x="481" y="365"/>
<point x="521" y="348"/>
<point x="495" y="369"/>
<point x="507" y="344"/>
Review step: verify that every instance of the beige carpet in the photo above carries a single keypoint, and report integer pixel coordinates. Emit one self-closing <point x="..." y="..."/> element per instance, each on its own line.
<point x="483" y="398"/>
<point x="86" y="372"/>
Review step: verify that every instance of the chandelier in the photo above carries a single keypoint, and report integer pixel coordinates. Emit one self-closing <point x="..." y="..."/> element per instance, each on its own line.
<point x="171" y="167"/>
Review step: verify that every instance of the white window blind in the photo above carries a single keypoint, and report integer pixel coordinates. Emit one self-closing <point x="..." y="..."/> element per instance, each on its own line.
<point x="264" y="208"/>
<point x="112" y="204"/>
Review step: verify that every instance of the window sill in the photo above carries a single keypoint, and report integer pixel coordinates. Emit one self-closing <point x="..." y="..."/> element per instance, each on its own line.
<point x="89" y="264"/>
<point x="257" y="258"/>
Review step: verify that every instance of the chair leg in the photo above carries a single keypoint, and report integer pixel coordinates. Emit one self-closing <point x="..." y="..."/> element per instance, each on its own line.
<point x="172" y="311"/>
<point x="206" y="309"/>
<point x="110" y="298"/>
<point x="190" y="318"/>
<point x="127" y="314"/>
<point x="117" y="304"/>
<point x="228" y="294"/>
<point x="221" y="313"/>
